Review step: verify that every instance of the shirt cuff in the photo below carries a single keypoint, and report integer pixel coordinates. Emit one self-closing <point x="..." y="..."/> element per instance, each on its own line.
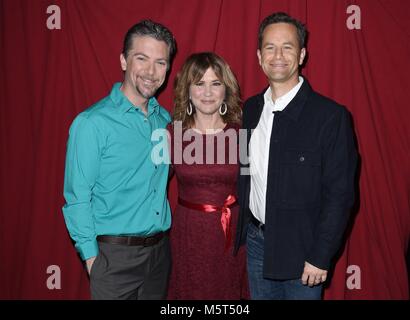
<point x="88" y="249"/>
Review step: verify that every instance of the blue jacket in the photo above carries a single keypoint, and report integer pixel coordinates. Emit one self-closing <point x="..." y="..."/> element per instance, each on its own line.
<point x="310" y="189"/>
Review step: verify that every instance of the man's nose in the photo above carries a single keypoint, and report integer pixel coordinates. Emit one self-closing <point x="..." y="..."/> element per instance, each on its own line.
<point x="150" y="69"/>
<point x="278" y="53"/>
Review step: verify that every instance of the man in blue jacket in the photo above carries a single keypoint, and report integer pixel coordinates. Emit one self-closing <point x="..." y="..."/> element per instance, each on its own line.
<point x="302" y="158"/>
<point x="116" y="208"/>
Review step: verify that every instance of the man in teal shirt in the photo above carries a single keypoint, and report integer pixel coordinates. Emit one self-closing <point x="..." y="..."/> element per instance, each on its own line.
<point x="116" y="208"/>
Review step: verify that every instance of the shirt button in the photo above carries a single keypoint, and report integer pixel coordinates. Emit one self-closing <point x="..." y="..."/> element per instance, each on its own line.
<point x="155" y="190"/>
<point x="157" y="213"/>
<point x="156" y="167"/>
<point x="302" y="158"/>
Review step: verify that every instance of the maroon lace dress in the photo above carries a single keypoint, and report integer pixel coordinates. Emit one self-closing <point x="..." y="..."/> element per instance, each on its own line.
<point x="203" y="267"/>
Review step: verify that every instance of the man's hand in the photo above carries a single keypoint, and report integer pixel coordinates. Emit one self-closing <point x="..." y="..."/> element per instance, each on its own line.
<point x="312" y="275"/>
<point x="89" y="263"/>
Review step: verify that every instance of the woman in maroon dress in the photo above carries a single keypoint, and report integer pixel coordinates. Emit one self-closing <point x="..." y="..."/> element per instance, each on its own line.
<point x="204" y="152"/>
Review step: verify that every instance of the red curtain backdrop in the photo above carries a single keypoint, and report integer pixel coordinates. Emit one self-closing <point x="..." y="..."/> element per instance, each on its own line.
<point x="49" y="76"/>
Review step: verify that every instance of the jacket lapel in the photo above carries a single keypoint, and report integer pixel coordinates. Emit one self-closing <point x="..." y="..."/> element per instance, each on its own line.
<point x="256" y="112"/>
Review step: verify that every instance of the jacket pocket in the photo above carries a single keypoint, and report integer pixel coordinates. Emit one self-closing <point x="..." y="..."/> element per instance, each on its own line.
<point x="300" y="175"/>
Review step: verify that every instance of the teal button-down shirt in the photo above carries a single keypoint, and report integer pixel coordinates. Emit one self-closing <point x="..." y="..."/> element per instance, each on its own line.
<point x="111" y="185"/>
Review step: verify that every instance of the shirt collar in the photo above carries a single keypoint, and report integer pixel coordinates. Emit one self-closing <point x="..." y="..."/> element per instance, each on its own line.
<point x="284" y="100"/>
<point x="124" y="105"/>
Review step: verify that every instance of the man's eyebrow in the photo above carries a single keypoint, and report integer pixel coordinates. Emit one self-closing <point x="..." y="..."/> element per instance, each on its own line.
<point x="285" y="43"/>
<point x="140" y="54"/>
<point x="144" y="55"/>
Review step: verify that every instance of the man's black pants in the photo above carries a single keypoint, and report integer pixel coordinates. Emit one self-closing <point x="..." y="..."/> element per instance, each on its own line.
<point x="128" y="272"/>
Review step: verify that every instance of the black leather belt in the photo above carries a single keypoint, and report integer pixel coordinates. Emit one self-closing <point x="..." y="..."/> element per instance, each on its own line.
<point x="257" y="223"/>
<point x="133" y="240"/>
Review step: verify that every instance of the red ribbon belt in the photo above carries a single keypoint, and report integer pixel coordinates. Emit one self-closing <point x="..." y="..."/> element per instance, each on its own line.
<point x="209" y="208"/>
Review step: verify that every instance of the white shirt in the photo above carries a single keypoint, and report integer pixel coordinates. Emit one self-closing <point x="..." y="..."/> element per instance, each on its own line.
<point x="259" y="150"/>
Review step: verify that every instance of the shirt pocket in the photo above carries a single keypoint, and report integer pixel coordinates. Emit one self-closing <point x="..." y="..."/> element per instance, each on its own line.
<point x="300" y="173"/>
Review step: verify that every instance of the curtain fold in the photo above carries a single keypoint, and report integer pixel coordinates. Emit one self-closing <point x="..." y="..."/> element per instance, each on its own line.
<point x="48" y="76"/>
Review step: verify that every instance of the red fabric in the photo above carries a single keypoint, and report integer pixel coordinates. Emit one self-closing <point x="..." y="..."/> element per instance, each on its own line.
<point x="48" y="76"/>
<point x="209" y="208"/>
<point x="202" y="267"/>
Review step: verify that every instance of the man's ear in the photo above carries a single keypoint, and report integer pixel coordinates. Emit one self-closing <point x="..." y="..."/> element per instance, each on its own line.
<point x="123" y="62"/>
<point x="302" y="56"/>
<point x="258" y="53"/>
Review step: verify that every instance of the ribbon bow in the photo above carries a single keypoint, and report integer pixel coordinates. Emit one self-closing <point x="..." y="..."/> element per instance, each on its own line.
<point x="225" y="215"/>
<point x="226" y="219"/>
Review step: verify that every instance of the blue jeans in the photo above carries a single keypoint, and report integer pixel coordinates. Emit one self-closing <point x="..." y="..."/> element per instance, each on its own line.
<point x="267" y="289"/>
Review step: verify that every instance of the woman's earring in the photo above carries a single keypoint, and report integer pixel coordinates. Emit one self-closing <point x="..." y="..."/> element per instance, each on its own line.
<point x="224" y="107"/>
<point x="189" y="108"/>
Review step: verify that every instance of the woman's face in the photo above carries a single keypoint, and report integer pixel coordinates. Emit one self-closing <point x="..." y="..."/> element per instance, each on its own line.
<point x="207" y="94"/>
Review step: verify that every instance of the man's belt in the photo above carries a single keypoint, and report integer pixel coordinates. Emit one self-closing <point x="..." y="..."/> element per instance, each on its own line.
<point x="132" y="240"/>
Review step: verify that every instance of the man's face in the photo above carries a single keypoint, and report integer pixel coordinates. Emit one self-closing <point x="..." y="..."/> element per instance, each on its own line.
<point x="145" y="66"/>
<point x="280" y="54"/>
